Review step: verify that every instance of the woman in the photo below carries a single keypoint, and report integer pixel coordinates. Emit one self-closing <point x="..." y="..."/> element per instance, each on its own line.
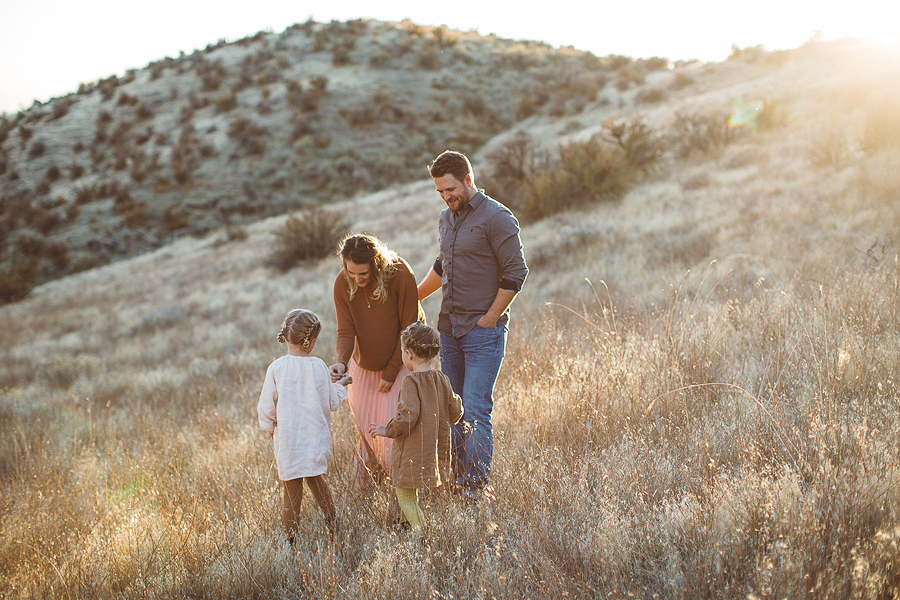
<point x="375" y="298"/>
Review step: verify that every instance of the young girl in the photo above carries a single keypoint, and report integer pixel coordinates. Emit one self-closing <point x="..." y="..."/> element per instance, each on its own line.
<point x="295" y="408"/>
<point x="426" y="407"/>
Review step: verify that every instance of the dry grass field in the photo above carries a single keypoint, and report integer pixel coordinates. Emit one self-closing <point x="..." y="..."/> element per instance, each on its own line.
<point x="701" y="395"/>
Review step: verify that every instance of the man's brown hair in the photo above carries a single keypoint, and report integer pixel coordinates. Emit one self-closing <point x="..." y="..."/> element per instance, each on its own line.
<point x="452" y="162"/>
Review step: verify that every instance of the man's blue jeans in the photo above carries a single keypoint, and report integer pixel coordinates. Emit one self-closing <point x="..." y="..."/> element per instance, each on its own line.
<point x="472" y="364"/>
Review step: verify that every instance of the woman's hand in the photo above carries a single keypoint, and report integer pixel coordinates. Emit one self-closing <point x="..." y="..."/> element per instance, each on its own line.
<point x="337" y="371"/>
<point x="376" y="430"/>
<point x="345" y="380"/>
<point x="385" y="386"/>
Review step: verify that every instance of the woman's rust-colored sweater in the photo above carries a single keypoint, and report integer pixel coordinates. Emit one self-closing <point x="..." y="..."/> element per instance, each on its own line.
<point x="368" y="329"/>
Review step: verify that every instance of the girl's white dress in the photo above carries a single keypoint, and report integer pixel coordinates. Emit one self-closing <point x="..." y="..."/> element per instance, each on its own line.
<point x="296" y="402"/>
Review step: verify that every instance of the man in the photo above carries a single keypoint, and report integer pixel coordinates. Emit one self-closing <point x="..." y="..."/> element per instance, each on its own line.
<point x="480" y="270"/>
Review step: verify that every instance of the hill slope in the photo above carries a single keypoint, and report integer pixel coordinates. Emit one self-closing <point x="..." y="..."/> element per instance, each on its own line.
<point x="262" y="126"/>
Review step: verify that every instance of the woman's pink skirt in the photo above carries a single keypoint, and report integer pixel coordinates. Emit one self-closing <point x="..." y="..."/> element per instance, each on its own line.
<point x="371" y="406"/>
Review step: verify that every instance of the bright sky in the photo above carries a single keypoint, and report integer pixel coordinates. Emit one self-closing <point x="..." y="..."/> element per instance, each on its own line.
<point x="48" y="47"/>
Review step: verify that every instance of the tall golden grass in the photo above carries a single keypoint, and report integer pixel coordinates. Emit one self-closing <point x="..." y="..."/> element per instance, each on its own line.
<point x="714" y="413"/>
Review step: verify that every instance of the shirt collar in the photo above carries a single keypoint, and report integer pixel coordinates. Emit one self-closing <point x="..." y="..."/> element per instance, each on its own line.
<point x="477" y="199"/>
<point x="473" y="204"/>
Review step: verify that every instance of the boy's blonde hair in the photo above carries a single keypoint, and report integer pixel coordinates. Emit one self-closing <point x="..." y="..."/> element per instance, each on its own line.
<point x="420" y="339"/>
<point x="300" y="327"/>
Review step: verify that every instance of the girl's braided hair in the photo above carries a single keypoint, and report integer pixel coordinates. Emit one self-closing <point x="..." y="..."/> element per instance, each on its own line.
<point x="300" y="327"/>
<point x="420" y="339"/>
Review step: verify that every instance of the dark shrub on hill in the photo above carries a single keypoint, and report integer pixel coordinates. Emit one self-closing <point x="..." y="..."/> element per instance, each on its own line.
<point x="108" y="87"/>
<point x="52" y="174"/>
<point x="61" y="108"/>
<point x="628" y="76"/>
<point x="314" y="234"/>
<point x="429" y="58"/>
<point x="655" y="63"/>
<point x="702" y="133"/>
<point x="226" y="103"/>
<point x="6" y="125"/>
<point x="137" y="216"/>
<point x="143" y="112"/>
<point x="340" y="55"/>
<point x="18" y="280"/>
<point x="247" y="135"/>
<point x="536" y="184"/>
<point x="650" y="95"/>
<point x="680" y="81"/>
<point x="642" y="147"/>
<point x="37" y="149"/>
<point x="584" y="173"/>
<point x="174" y="218"/>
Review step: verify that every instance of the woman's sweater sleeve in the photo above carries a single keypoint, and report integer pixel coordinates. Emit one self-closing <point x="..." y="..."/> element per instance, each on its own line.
<point x="408" y="310"/>
<point x="346" y="331"/>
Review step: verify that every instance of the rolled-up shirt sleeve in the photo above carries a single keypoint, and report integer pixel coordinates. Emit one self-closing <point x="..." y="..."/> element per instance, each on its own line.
<point x="508" y="249"/>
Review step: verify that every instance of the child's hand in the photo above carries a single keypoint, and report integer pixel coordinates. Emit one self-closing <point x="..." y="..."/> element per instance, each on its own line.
<point x="337" y="371"/>
<point x="345" y="380"/>
<point x="376" y="430"/>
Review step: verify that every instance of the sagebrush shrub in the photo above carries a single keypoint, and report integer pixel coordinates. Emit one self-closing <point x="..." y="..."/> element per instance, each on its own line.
<point x="174" y="218"/>
<point x="247" y="135"/>
<point x="379" y="60"/>
<point x="585" y="172"/>
<point x="830" y="149"/>
<point x="428" y="58"/>
<point x="536" y="184"/>
<point x="137" y="216"/>
<point x="628" y="76"/>
<point x="108" y="87"/>
<point x="226" y="103"/>
<point x="313" y="234"/>
<point x="48" y="222"/>
<point x="702" y="132"/>
<point x="53" y="174"/>
<point x="650" y="95"/>
<point x="680" y="81"/>
<point x="643" y="148"/>
<point x="340" y="55"/>
<point x="655" y="63"/>
<point x="319" y="83"/>
<point x="443" y="37"/>
<point x="61" y="108"/>
<point x="37" y="149"/>
<point x="17" y="281"/>
<point x="143" y="112"/>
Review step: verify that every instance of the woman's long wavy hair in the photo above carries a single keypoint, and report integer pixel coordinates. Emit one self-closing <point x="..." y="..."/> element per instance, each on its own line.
<point x="365" y="249"/>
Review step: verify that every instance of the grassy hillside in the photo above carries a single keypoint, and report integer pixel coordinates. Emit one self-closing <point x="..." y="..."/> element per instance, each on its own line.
<point x="713" y="413"/>
<point x="263" y="125"/>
